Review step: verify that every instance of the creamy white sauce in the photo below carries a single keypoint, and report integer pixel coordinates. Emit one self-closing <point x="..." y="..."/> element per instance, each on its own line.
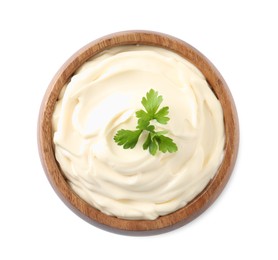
<point x="102" y="98"/>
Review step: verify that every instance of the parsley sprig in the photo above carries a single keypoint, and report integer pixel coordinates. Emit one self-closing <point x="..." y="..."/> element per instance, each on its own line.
<point x="156" y="140"/>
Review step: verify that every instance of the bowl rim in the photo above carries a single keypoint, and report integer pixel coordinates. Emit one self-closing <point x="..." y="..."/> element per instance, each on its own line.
<point x="163" y="223"/>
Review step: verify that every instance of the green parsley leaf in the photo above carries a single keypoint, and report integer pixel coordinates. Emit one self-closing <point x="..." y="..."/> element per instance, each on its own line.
<point x="161" y="133"/>
<point x="153" y="147"/>
<point x="160" y="116"/>
<point x="166" y="144"/>
<point x="127" y="138"/>
<point x="155" y="140"/>
<point x="158" y="140"/>
<point x="143" y="119"/>
<point x="151" y="102"/>
<point x="150" y="128"/>
<point x="147" y="142"/>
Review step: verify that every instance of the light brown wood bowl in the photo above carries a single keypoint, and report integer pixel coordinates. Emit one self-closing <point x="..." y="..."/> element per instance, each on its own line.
<point x="163" y="223"/>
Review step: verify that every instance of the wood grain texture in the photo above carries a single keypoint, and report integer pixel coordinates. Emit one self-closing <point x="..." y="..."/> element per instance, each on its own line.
<point x="192" y="209"/>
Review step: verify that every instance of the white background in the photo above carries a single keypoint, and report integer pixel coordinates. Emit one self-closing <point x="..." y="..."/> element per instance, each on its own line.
<point x="239" y="37"/>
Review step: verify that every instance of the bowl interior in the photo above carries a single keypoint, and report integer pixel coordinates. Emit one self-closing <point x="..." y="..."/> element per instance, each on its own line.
<point x="197" y="205"/>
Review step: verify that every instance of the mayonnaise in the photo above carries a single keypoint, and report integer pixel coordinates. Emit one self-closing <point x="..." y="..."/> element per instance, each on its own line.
<point x="102" y="98"/>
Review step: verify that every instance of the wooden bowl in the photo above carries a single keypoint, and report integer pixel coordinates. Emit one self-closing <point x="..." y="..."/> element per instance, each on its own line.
<point x="197" y="205"/>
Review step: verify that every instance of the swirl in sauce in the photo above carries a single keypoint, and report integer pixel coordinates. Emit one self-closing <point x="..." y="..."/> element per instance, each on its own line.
<point x="102" y="97"/>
